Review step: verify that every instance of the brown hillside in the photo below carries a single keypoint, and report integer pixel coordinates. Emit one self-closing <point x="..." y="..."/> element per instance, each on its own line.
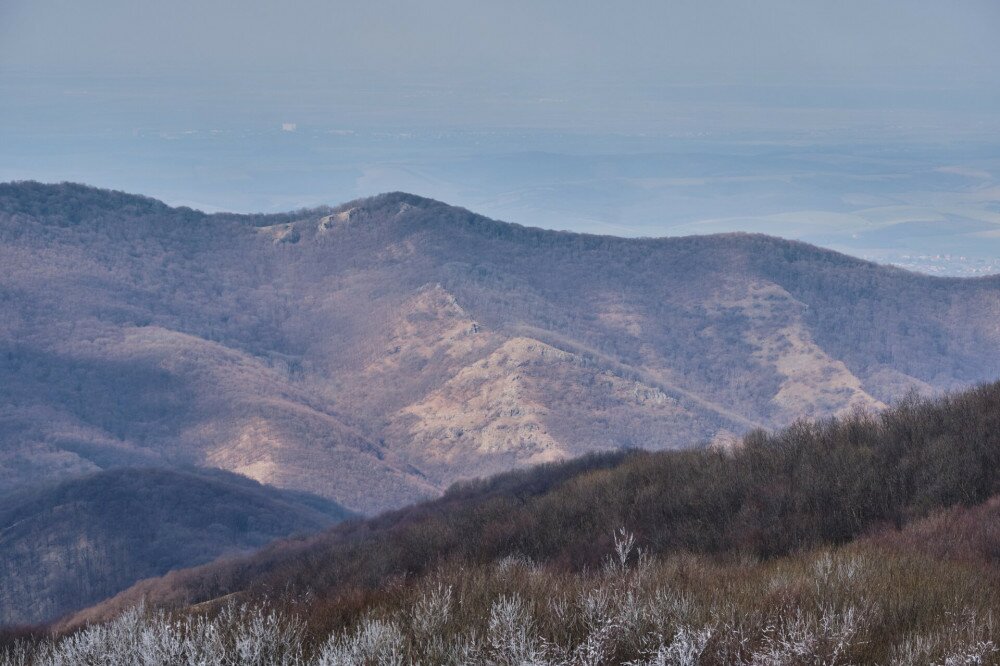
<point x="377" y="352"/>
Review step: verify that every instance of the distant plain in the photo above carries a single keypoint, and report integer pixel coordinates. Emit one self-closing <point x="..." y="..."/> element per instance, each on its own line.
<point x="918" y="187"/>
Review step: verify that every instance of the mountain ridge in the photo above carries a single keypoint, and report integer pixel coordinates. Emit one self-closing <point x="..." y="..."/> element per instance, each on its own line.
<point x="334" y="350"/>
<point x="379" y="202"/>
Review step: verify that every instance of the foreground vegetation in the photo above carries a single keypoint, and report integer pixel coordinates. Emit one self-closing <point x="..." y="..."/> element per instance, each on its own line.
<point x="861" y="604"/>
<point x="810" y="485"/>
<point x="867" y="539"/>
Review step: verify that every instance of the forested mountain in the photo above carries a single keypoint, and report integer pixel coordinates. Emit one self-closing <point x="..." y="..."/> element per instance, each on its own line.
<point x="70" y="544"/>
<point x="376" y="352"/>
<point x="862" y="539"/>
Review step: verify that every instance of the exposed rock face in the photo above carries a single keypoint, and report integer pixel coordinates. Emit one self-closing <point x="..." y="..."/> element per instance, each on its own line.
<point x="812" y="384"/>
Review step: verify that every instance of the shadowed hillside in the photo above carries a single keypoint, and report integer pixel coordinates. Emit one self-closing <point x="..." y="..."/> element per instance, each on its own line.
<point x="67" y="545"/>
<point x="863" y="539"/>
<point x="808" y="485"/>
<point x="376" y="352"/>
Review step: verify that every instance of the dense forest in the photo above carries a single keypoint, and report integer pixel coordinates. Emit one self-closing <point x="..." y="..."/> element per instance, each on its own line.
<point x="379" y="351"/>
<point x="868" y="538"/>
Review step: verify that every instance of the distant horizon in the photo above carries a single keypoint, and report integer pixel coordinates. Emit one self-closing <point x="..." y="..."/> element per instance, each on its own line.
<point x="872" y="128"/>
<point x="335" y="205"/>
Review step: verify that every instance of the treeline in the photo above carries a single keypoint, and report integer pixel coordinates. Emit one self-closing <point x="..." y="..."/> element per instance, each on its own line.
<point x="807" y="486"/>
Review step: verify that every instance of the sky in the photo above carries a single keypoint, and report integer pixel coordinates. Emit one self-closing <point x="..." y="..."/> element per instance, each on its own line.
<point x="624" y="53"/>
<point x="515" y="43"/>
<point x="636" y="117"/>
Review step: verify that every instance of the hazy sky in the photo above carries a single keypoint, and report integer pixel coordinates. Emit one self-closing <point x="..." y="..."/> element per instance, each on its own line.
<point x="794" y="117"/>
<point x="924" y="43"/>
<point x="567" y="64"/>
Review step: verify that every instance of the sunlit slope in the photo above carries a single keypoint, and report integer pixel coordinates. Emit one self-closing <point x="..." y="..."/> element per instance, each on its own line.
<point x="378" y="351"/>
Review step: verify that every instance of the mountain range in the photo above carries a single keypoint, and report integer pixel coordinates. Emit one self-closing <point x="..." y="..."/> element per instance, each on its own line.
<point x="377" y="352"/>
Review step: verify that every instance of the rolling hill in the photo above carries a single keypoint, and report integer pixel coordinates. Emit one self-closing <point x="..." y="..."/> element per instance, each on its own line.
<point x="66" y="545"/>
<point x="377" y="352"/>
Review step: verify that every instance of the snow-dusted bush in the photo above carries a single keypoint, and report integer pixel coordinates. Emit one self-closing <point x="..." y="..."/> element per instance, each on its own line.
<point x="966" y="642"/>
<point x="238" y="636"/>
<point x="373" y="643"/>
<point x="511" y="639"/>
<point x="685" y="648"/>
<point x="805" y="639"/>
<point x="687" y="611"/>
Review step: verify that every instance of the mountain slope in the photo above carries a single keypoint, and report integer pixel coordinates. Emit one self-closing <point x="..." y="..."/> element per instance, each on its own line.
<point x="376" y="352"/>
<point x="69" y="545"/>
<point x="810" y="485"/>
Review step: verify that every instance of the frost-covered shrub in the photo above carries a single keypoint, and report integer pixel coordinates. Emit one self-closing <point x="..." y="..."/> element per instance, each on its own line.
<point x="428" y="620"/>
<point x="965" y="642"/>
<point x="263" y="638"/>
<point x="238" y="636"/>
<point x="511" y="638"/>
<point x="801" y="638"/>
<point x="684" y="649"/>
<point x="682" y="612"/>
<point x="373" y="643"/>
